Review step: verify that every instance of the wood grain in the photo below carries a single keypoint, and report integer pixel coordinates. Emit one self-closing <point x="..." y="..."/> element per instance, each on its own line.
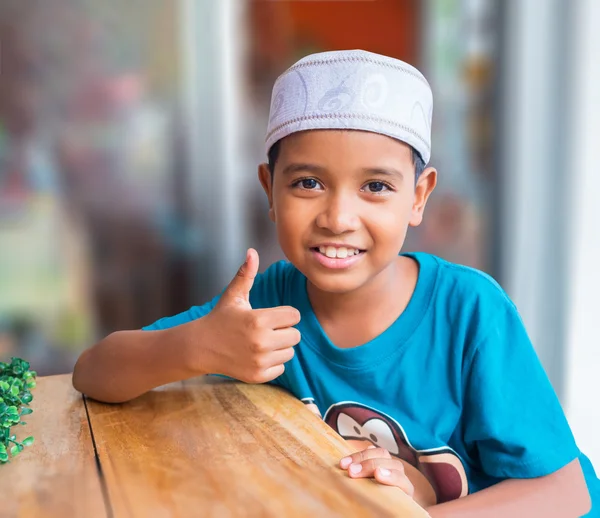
<point x="56" y="476"/>
<point x="215" y="448"/>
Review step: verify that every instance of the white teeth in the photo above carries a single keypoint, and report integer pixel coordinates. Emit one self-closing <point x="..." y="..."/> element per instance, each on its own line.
<point x="330" y="251"/>
<point x="341" y="253"/>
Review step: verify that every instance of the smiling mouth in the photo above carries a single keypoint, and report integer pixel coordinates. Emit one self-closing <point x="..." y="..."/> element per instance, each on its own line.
<point x="337" y="252"/>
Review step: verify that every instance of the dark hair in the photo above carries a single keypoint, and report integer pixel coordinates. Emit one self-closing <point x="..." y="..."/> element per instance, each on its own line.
<point x="273" y="154"/>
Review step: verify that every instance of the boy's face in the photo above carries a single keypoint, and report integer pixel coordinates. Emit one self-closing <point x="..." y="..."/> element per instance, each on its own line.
<point x="347" y="194"/>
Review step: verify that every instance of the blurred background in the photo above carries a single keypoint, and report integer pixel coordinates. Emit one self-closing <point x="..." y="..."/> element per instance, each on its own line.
<point x="130" y="133"/>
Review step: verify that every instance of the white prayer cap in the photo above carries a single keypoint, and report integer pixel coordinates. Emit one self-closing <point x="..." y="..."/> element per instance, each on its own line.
<point x="353" y="89"/>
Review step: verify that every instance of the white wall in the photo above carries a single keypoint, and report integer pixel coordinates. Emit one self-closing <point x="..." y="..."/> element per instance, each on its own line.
<point x="582" y="387"/>
<point x="550" y="173"/>
<point x="212" y="41"/>
<point x="533" y="173"/>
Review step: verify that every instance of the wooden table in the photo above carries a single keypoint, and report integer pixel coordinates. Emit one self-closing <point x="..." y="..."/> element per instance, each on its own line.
<point x="205" y="447"/>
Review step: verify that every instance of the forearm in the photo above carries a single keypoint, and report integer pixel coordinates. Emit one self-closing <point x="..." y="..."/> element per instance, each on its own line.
<point x="563" y="494"/>
<point x="127" y="364"/>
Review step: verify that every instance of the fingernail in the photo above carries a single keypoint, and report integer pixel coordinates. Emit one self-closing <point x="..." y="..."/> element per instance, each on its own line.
<point x="384" y="472"/>
<point x="372" y="447"/>
<point x="355" y="468"/>
<point x="345" y="462"/>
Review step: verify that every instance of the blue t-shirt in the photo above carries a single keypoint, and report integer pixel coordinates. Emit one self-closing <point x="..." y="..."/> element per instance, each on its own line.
<point x="453" y="386"/>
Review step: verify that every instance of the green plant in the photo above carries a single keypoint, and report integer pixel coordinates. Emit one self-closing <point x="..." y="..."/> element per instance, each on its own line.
<point x="16" y="382"/>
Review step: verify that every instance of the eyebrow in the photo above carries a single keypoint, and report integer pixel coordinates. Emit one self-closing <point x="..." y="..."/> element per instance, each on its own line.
<point x="313" y="168"/>
<point x="384" y="172"/>
<point x="310" y="168"/>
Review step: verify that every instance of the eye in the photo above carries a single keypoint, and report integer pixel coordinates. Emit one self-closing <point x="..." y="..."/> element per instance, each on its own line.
<point x="348" y="427"/>
<point x="380" y="433"/>
<point x="377" y="187"/>
<point x="307" y="184"/>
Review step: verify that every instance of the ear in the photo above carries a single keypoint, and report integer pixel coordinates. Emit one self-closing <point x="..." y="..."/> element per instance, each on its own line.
<point x="425" y="186"/>
<point x="264" y="175"/>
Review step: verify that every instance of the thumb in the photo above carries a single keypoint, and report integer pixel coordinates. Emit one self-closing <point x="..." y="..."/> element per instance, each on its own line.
<point x="240" y="286"/>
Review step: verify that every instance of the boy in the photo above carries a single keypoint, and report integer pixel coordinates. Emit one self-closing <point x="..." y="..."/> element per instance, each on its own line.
<point x="423" y="364"/>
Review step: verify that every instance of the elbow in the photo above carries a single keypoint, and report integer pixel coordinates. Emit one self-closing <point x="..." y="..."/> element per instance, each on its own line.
<point x="84" y="376"/>
<point x="87" y="369"/>
<point x="583" y="505"/>
<point x="576" y="487"/>
<point x="80" y="385"/>
<point x="588" y="505"/>
<point x="585" y="502"/>
<point x="78" y="377"/>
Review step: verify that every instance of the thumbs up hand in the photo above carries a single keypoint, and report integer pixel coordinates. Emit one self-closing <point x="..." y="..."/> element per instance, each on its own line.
<point x="247" y="344"/>
<point x="238" y="291"/>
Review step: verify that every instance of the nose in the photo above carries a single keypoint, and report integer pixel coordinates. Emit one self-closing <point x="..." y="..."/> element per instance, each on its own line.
<point x="338" y="215"/>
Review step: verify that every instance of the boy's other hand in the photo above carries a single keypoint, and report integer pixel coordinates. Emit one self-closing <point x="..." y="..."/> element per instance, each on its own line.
<point x="377" y="463"/>
<point x="247" y="344"/>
